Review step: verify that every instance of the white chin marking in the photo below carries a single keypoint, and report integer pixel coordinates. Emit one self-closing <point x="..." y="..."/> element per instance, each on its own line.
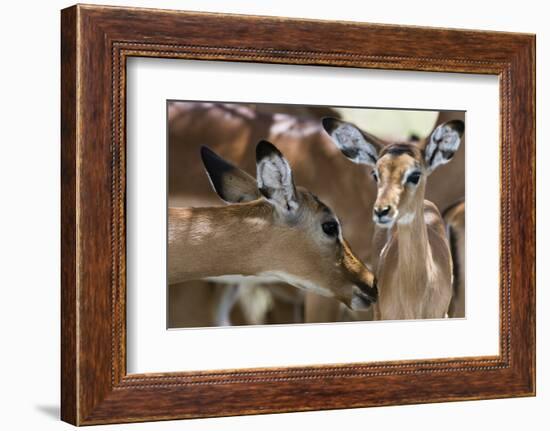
<point x="385" y="225"/>
<point x="357" y="304"/>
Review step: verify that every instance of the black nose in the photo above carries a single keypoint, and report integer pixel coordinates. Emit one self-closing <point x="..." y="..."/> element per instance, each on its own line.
<point x="381" y="212"/>
<point x="364" y="296"/>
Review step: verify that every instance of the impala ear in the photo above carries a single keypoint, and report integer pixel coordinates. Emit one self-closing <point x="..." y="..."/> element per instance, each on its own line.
<point x="356" y="145"/>
<point x="443" y="143"/>
<point x="274" y="178"/>
<point x="230" y="183"/>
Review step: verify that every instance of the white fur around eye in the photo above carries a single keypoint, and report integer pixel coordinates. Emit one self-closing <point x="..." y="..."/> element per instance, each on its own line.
<point x="407" y="174"/>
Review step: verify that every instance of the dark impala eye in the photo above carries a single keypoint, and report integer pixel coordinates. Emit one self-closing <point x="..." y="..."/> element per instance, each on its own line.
<point x="330" y="228"/>
<point x="413" y="178"/>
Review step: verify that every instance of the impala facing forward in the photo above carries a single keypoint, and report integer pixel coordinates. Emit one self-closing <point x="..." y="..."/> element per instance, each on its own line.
<point x="414" y="268"/>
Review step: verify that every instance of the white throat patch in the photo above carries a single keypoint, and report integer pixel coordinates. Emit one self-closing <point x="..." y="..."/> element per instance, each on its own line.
<point x="406" y="218"/>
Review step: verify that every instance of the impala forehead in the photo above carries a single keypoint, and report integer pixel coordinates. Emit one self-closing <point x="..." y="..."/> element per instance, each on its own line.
<point x="315" y="204"/>
<point x="393" y="167"/>
<point x="315" y="211"/>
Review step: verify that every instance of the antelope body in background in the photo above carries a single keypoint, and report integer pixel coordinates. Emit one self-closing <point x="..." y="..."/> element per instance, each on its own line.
<point x="414" y="266"/>
<point x="454" y="217"/>
<point x="278" y="232"/>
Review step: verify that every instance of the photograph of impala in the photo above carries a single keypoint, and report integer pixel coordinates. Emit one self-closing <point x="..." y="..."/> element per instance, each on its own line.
<point x="285" y="214"/>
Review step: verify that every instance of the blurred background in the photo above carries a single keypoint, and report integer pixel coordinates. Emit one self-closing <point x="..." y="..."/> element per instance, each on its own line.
<point x="233" y="130"/>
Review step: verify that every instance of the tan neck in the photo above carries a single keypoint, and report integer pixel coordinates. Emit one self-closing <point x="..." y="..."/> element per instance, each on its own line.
<point x="215" y="241"/>
<point x="406" y="271"/>
<point x="413" y="253"/>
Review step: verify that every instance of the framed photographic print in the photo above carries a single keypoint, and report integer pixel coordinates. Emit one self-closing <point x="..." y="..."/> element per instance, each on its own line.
<point x="268" y="215"/>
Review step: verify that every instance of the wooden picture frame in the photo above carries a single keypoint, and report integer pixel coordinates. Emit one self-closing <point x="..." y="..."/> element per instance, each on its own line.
<point x="96" y="41"/>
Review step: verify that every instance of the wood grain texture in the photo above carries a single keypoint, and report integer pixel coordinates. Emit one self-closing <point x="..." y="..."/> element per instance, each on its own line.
<point x="96" y="41"/>
<point x="68" y="218"/>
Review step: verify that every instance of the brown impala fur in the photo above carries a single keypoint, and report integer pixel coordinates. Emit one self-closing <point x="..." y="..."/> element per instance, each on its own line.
<point x="285" y="234"/>
<point x="454" y="217"/>
<point x="233" y="131"/>
<point x="414" y="267"/>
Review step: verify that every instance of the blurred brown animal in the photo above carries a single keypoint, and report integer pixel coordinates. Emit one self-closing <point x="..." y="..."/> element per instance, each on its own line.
<point x="454" y="217"/>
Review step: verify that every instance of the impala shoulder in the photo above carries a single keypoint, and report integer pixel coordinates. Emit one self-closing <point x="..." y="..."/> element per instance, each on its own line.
<point x="454" y="215"/>
<point x="432" y="218"/>
<point x="431" y="213"/>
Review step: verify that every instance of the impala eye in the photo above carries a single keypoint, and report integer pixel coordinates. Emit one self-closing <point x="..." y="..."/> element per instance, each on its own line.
<point x="413" y="178"/>
<point x="330" y="228"/>
<point x="374" y="176"/>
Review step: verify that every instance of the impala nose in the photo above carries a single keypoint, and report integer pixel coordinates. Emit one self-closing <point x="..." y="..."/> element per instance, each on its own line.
<point x="383" y="215"/>
<point x="364" y="296"/>
<point x="382" y="211"/>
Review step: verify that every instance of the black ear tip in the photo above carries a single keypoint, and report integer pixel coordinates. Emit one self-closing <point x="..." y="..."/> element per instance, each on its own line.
<point x="206" y="153"/>
<point x="215" y="166"/>
<point x="265" y="149"/>
<point x="457" y="125"/>
<point x="329" y="123"/>
<point x="210" y="159"/>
